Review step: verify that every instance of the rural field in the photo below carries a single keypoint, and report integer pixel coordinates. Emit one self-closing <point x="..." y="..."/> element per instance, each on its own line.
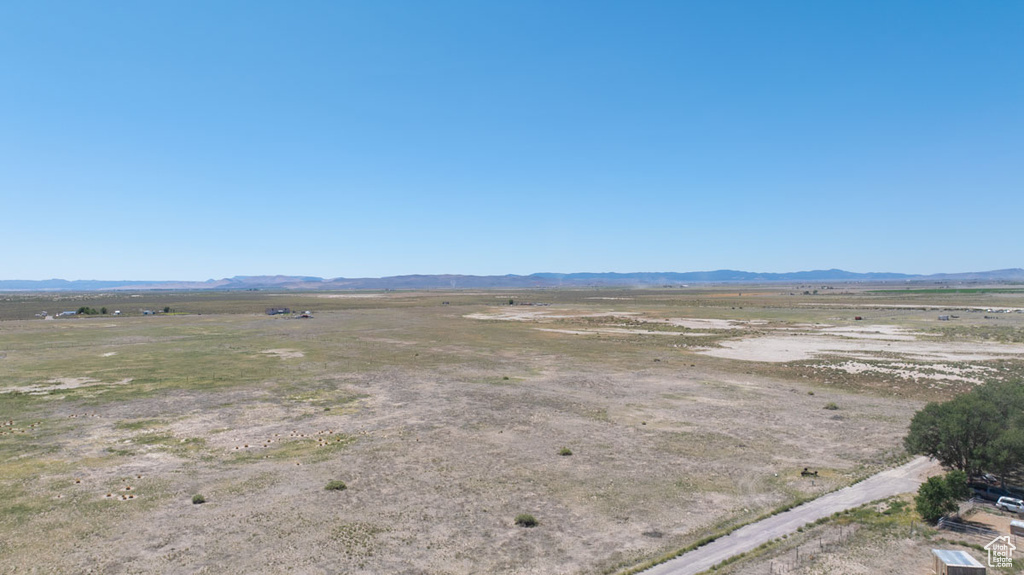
<point x="628" y="423"/>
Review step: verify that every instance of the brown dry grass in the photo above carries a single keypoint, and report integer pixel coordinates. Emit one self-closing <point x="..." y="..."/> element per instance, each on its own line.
<point x="443" y="428"/>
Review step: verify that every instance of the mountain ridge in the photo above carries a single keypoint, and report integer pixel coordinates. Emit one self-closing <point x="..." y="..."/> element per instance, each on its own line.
<point x="535" y="280"/>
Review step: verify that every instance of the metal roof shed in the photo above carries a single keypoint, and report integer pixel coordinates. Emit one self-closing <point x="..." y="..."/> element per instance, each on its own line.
<point x="956" y="563"/>
<point x="1017" y="528"/>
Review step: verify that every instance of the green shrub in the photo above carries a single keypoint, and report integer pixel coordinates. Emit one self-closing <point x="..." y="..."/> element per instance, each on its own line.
<point x="940" y="496"/>
<point x="565" y="451"/>
<point x="198" y="499"/>
<point x="526" y="520"/>
<point x="336" y="485"/>
<point x="831" y="405"/>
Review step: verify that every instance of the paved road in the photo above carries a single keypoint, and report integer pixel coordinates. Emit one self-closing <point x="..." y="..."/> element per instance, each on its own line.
<point x="902" y="479"/>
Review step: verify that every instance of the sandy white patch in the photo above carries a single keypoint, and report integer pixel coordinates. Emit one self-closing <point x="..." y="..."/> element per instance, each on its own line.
<point x="72" y="382"/>
<point x="536" y="315"/>
<point x="62" y="383"/>
<point x="703" y="323"/>
<point x="389" y="340"/>
<point x="529" y="314"/>
<point x="796" y="347"/>
<point x="284" y="353"/>
<point x="885" y="332"/>
<point x="915" y="307"/>
<point x="109" y="354"/>
<point x="617" y="330"/>
<point x="936" y="371"/>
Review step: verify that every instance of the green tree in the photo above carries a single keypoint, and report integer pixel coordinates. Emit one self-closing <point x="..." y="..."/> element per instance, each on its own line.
<point x="941" y="496"/>
<point x="103" y="310"/>
<point x="982" y="430"/>
<point x="1006" y="454"/>
<point x="956" y="483"/>
<point x="960" y="433"/>
<point x="167" y="309"/>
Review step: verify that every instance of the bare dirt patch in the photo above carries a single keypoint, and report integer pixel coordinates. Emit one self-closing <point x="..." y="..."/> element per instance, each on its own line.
<point x="809" y="345"/>
<point x="705" y="323"/>
<point x="974" y="374"/>
<point x="63" y="383"/>
<point x="547" y="315"/>
<point x="443" y="428"/>
<point x="994" y="521"/>
<point x="620" y="331"/>
<point x="538" y="315"/>
<point x="284" y="353"/>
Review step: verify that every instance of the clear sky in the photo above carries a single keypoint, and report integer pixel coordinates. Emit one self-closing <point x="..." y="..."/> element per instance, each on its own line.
<point x="193" y="139"/>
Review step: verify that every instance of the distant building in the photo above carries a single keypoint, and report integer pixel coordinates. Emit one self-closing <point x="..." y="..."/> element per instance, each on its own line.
<point x="278" y="311"/>
<point x="943" y="318"/>
<point x="64" y="313"/>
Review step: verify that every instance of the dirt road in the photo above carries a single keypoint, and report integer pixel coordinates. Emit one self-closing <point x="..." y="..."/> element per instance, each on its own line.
<point x="902" y="479"/>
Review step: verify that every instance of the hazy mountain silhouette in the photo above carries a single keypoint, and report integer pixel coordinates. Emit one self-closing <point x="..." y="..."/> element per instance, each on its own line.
<point x="537" y="280"/>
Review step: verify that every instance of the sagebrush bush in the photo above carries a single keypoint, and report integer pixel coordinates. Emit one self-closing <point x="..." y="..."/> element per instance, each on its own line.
<point x="526" y="520"/>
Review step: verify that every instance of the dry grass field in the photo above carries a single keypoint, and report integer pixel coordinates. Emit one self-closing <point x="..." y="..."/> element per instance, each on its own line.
<point x="629" y="423"/>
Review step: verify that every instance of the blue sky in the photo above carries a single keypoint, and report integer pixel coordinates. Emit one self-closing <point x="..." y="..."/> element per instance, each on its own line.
<point x="195" y="140"/>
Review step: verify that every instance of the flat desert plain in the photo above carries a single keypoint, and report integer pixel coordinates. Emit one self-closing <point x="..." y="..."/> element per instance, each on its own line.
<point x="628" y="423"/>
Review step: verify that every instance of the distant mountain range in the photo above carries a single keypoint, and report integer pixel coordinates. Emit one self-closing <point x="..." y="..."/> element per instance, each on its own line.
<point x="538" y="280"/>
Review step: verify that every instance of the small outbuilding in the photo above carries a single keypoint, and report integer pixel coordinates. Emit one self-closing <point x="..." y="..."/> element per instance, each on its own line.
<point x="1017" y="528"/>
<point x="949" y="562"/>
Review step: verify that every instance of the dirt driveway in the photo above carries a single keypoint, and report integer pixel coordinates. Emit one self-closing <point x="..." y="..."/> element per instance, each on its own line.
<point x="903" y="479"/>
